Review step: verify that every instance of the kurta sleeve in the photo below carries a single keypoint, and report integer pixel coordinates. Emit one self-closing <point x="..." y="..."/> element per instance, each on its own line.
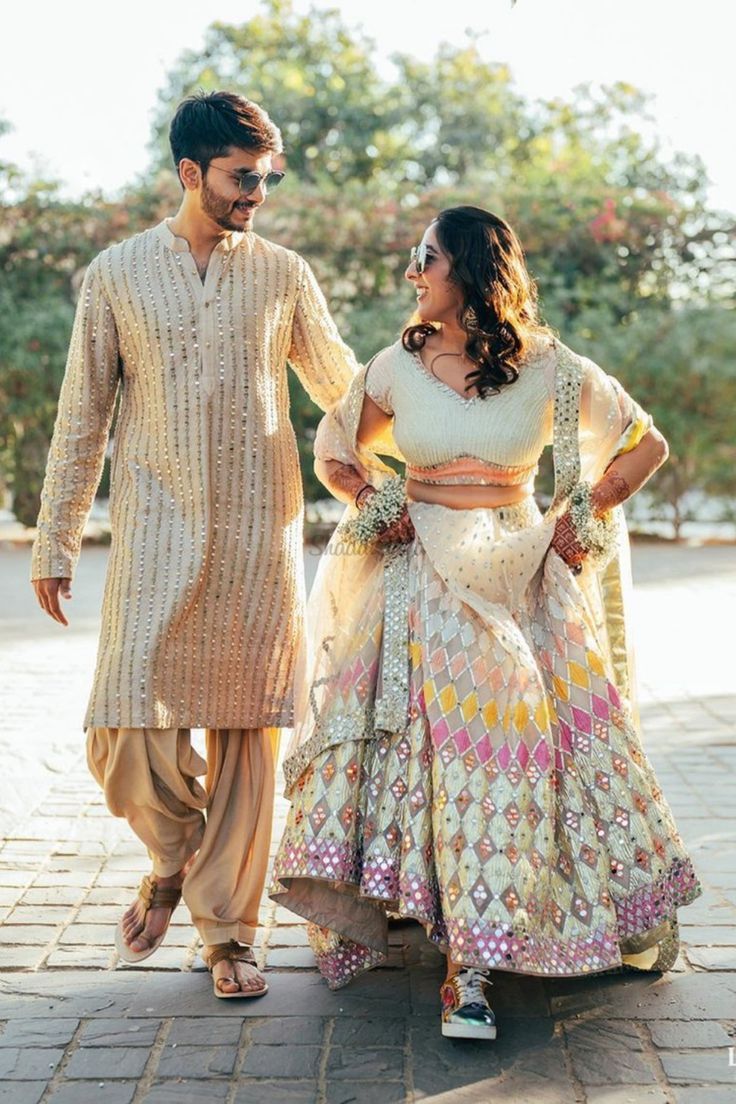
<point x="77" y="451"/>
<point x="323" y="362"/>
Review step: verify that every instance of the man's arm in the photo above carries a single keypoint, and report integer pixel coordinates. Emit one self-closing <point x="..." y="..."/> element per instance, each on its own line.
<point x="77" y="451"/>
<point x="323" y="362"/>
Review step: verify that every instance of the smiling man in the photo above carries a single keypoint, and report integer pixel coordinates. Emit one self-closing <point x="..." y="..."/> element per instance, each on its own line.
<point x="191" y="324"/>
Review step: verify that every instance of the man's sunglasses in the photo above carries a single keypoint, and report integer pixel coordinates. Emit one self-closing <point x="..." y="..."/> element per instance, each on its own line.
<point x="420" y="258"/>
<point x="249" y="181"/>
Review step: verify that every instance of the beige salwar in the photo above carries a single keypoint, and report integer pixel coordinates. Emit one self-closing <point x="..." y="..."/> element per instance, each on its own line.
<point x="149" y="776"/>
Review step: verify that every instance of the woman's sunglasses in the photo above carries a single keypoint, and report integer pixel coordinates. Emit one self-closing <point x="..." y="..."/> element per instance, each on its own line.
<point x="420" y="258"/>
<point x="249" y="181"/>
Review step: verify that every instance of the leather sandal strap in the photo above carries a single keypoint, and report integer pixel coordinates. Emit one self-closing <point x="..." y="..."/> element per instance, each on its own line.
<point x="146" y="889"/>
<point x="231" y="951"/>
<point x="155" y="895"/>
<point x="165" y="897"/>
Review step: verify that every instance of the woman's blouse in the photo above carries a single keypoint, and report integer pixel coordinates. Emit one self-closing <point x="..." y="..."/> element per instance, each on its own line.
<point x="447" y="438"/>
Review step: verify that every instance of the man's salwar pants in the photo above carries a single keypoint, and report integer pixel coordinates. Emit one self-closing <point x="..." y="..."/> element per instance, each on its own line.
<point x="149" y="776"/>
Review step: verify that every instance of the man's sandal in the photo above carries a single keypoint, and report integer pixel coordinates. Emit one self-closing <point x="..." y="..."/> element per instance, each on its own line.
<point x="154" y="896"/>
<point x="235" y="952"/>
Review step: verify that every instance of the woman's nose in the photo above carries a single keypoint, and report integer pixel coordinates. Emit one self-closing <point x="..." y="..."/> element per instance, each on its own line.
<point x="411" y="271"/>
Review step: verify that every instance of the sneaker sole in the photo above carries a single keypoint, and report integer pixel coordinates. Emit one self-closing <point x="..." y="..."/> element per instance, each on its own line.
<point x="468" y="1031"/>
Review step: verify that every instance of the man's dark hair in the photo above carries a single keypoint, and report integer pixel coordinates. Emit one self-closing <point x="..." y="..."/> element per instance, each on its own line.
<point x="209" y="124"/>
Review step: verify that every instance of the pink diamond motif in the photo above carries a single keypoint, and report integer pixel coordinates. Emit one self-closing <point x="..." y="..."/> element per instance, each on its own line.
<point x="440" y="732"/>
<point x="504" y="755"/>
<point x="600" y="708"/>
<point x="542" y="756"/>
<point x="522" y="754"/>
<point x="462" y="740"/>
<point x="565" y="736"/>
<point x="483" y="749"/>
<point x="582" y="720"/>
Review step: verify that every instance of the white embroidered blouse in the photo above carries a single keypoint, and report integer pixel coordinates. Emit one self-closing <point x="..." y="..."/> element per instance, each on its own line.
<point x="447" y="438"/>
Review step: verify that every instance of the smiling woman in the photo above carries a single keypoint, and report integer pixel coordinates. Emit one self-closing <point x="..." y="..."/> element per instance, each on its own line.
<point x="466" y="750"/>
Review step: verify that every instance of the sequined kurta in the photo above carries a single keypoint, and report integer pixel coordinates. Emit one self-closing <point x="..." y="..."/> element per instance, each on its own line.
<point x="203" y="608"/>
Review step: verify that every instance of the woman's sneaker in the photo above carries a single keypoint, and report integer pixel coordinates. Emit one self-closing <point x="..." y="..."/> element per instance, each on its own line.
<point x="466" y="1014"/>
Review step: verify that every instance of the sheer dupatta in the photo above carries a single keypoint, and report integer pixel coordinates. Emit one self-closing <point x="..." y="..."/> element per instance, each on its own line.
<point x="352" y="678"/>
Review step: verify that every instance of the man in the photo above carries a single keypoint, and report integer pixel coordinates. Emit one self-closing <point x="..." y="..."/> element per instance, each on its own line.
<point x="192" y="323"/>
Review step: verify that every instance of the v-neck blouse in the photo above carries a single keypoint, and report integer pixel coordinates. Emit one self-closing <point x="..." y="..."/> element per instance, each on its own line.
<point x="434" y="424"/>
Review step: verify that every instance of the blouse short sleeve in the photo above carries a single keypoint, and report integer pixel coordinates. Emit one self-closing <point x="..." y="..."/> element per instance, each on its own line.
<point x="379" y="380"/>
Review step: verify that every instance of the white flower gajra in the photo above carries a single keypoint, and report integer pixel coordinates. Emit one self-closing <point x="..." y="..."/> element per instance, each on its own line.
<point x="597" y="535"/>
<point x="382" y="509"/>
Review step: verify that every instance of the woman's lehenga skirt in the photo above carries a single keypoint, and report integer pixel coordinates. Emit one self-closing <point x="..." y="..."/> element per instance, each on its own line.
<point x="516" y="816"/>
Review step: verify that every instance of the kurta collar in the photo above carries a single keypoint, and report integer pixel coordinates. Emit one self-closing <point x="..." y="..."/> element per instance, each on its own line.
<point x="181" y="245"/>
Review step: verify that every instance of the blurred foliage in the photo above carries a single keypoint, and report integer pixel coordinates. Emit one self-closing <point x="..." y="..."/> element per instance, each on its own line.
<point x="634" y="269"/>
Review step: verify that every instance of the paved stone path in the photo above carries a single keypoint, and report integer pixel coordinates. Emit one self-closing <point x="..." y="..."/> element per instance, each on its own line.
<point x="76" y="1026"/>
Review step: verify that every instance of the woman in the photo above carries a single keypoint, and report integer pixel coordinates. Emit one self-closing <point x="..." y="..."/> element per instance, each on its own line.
<point x="466" y="751"/>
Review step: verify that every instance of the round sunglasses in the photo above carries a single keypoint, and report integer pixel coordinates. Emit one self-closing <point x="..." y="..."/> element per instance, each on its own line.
<point x="248" y="181"/>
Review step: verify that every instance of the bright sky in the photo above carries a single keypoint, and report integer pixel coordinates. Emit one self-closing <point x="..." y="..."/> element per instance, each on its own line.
<point x="78" y="80"/>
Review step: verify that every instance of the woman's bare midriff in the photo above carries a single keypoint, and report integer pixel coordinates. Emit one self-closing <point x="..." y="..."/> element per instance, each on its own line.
<point x="464" y="496"/>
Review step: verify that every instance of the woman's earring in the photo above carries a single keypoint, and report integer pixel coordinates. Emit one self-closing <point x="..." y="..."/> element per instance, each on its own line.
<point x="471" y="318"/>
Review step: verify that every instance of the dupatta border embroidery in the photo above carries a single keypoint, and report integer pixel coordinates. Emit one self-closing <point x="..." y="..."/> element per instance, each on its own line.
<point x="566" y="420"/>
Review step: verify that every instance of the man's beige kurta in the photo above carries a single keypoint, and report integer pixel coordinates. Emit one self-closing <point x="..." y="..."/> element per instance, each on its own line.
<point x="204" y="600"/>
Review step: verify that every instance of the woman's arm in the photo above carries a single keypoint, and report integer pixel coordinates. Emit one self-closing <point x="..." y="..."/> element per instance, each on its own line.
<point x="625" y="475"/>
<point x="344" y="481"/>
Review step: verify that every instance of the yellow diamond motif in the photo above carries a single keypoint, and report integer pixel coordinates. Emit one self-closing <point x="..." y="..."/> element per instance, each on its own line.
<point x="578" y="674"/>
<point x="448" y="698"/>
<point x="595" y="663"/>
<point x="490" y="714"/>
<point x="521" y="716"/>
<point x="469" y="706"/>
<point x="560" y="688"/>
<point x="541" y="715"/>
<point x="415" y="653"/>
<point x="429" y="691"/>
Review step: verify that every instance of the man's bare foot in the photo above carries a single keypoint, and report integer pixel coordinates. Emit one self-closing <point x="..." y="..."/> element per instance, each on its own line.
<point x="142" y="926"/>
<point x="248" y="977"/>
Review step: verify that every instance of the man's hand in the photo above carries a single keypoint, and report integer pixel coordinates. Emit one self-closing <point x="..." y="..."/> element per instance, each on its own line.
<point x="48" y="591"/>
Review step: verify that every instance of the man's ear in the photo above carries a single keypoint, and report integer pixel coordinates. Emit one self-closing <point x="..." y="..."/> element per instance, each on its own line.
<point x="190" y="174"/>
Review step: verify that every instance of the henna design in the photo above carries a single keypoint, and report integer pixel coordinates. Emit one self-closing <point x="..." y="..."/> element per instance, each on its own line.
<point x="565" y="541"/>
<point x="610" y="491"/>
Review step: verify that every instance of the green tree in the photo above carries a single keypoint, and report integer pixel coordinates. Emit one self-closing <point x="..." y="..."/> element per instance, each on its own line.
<point x="630" y="259"/>
<point x="315" y="77"/>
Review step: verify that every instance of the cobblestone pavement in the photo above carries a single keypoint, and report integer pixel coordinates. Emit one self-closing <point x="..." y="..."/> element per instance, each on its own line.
<point x="77" y="1026"/>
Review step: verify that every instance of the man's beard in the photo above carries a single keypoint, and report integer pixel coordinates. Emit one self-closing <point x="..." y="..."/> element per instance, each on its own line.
<point x="217" y="208"/>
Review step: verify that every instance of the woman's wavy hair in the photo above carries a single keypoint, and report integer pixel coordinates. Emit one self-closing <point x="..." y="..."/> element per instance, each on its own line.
<point x="499" y="312"/>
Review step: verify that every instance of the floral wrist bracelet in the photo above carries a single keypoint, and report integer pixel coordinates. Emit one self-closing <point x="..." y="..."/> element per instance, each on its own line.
<point x="597" y="535"/>
<point x="383" y="508"/>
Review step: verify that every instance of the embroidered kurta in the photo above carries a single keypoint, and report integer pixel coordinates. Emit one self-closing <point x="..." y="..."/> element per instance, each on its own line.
<point x="203" y="612"/>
